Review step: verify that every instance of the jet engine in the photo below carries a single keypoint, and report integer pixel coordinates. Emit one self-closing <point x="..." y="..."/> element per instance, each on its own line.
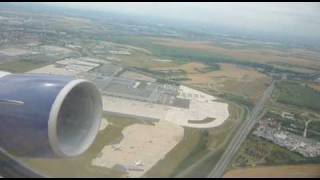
<point x="47" y="116"/>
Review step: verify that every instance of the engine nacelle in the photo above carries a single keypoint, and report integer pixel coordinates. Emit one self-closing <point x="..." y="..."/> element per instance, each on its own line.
<point x="48" y="115"/>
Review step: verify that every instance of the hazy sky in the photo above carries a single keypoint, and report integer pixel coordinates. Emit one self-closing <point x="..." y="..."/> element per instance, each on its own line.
<point x="292" y="18"/>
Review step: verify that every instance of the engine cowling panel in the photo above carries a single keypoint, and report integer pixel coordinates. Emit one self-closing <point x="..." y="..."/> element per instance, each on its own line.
<point x="48" y="115"/>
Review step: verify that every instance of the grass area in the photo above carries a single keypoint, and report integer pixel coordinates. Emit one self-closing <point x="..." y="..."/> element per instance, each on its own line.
<point x="196" y="144"/>
<point x="278" y="171"/>
<point x="206" y="166"/>
<point x="167" y="166"/>
<point x="164" y="73"/>
<point x="257" y="151"/>
<point x="238" y="99"/>
<point x="30" y="62"/>
<point x="166" y="77"/>
<point x="81" y="166"/>
<point x="200" y="150"/>
<point x="294" y="93"/>
<point x="21" y="66"/>
<point x="212" y="67"/>
<point x="185" y="55"/>
<point x="218" y="141"/>
<point x="313" y="130"/>
<point x="179" y="54"/>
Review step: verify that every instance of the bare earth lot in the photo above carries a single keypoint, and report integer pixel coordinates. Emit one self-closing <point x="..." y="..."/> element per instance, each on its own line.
<point x="315" y="86"/>
<point x="13" y="52"/>
<point x="141" y="143"/>
<point x="52" y="69"/>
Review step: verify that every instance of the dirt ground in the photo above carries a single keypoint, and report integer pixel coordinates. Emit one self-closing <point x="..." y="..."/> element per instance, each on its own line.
<point x="141" y="147"/>
<point x="14" y="52"/>
<point x="315" y="86"/>
<point x="226" y="71"/>
<point x="286" y="171"/>
<point x="233" y="79"/>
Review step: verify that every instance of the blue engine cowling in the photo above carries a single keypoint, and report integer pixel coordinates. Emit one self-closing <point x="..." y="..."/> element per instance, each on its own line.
<point x="48" y="115"/>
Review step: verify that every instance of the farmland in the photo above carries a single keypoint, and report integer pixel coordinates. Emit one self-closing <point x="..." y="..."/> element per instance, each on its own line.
<point x="283" y="171"/>
<point x="228" y="78"/>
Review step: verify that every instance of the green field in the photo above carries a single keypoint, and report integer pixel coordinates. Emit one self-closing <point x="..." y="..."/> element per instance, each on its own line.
<point x="22" y="66"/>
<point x="178" y="54"/>
<point x="238" y="99"/>
<point x="186" y="55"/>
<point x="294" y="93"/>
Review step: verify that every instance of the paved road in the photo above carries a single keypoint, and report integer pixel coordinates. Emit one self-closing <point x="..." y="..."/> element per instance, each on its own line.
<point x="241" y="135"/>
<point x="11" y="168"/>
<point x="186" y="171"/>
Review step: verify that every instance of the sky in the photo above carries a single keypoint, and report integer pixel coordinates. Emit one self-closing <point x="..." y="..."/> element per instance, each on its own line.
<point x="302" y="19"/>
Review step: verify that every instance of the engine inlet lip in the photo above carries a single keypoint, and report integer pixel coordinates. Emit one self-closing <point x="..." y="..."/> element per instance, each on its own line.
<point x="4" y="73"/>
<point x="53" y="121"/>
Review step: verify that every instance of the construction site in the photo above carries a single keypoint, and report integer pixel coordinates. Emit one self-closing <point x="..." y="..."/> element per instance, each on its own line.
<point x="144" y="99"/>
<point x="125" y="93"/>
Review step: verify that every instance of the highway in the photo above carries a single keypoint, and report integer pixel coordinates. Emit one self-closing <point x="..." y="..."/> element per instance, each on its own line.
<point x="241" y="135"/>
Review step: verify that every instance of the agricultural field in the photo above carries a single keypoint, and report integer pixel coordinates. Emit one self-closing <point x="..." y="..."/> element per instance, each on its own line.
<point x="295" y="57"/>
<point x="283" y="171"/>
<point x="227" y="78"/>
<point x="23" y="65"/>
